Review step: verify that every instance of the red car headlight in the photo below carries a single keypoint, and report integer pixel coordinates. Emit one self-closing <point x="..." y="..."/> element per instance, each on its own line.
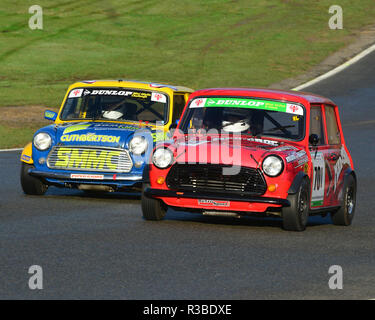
<point x="162" y="158"/>
<point x="273" y="166"/>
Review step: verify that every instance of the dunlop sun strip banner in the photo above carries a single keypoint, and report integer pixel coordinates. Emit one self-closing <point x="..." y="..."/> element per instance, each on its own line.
<point x="247" y="103"/>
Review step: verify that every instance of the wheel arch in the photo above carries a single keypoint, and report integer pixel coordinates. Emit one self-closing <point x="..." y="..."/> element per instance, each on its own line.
<point x="146" y="174"/>
<point x="27" y="154"/>
<point x="348" y="172"/>
<point x="294" y="187"/>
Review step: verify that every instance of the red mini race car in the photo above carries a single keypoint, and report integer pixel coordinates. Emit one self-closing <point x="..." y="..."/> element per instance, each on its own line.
<point x="254" y="151"/>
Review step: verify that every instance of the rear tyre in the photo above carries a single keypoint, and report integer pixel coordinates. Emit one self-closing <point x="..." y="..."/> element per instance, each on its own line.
<point x="31" y="185"/>
<point x="152" y="209"/>
<point x="295" y="217"/>
<point x="344" y="215"/>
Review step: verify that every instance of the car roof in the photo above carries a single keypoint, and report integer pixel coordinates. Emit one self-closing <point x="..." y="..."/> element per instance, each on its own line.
<point x="305" y="98"/>
<point x="130" y="83"/>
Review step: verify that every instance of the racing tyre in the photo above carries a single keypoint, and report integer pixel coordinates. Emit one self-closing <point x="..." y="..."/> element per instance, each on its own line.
<point x="344" y="215"/>
<point x="152" y="209"/>
<point x="31" y="185"/>
<point x="295" y="217"/>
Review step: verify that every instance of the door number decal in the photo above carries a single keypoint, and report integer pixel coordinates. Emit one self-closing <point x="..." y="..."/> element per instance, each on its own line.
<point x="317" y="196"/>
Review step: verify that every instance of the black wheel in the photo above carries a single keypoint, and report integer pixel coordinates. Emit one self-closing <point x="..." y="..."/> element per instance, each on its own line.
<point x="295" y="217"/>
<point x="152" y="209"/>
<point x="31" y="185"/>
<point x="344" y="215"/>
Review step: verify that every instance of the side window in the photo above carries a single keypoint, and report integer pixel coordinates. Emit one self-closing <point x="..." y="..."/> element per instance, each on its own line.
<point x="332" y="127"/>
<point x="316" y="123"/>
<point x="178" y="106"/>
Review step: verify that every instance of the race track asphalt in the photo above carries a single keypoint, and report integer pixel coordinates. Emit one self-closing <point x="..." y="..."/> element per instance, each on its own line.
<point x="101" y="248"/>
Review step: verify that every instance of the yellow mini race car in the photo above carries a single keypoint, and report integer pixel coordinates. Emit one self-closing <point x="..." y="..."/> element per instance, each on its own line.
<point x="102" y="136"/>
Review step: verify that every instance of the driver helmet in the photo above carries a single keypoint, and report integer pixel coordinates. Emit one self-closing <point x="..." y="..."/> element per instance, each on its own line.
<point x="112" y="115"/>
<point x="238" y="126"/>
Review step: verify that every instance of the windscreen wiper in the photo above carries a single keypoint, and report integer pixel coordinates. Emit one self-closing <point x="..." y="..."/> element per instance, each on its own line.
<point x="281" y="128"/>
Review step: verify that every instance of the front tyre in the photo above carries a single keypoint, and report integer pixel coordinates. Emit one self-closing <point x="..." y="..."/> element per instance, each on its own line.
<point x="31" y="185"/>
<point x="295" y="217"/>
<point x="344" y="215"/>
<point x="152" y="209"/>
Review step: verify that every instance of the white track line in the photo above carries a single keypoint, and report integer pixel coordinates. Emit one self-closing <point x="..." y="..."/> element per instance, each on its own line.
<point x="8" y="150"/>
<point x="337" y="69"/>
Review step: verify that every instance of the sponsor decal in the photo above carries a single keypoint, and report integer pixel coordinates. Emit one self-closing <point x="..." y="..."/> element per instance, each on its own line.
<point x="127" y="127"/>
<point x="317" y="203"/>
<point x="302" y="161"/>
<point x="296" y="118"/>
<point x="25" y="157"/>
<point x="198" y="103"/>
<point x="301" y="153"/>
<point x="290" y="158"/>
<point x="284" y="148"/>
<point x="75" y="93"/>
<point x="111" y="92"/>
<point x="89" y="137"/>
<point x="330" y="175"/>
<point x="247" y="103"/>
<point x="294" y="109"/>
<point x="113" y="126"/>
<point x="76" y="128"/>
<point x="306" y="168"/>
<point x="213" y="203"/>
<point x="87" y="176"/>
<point x="295" y="156"/>
<point x="86" y="159"/>
<point x="341" y="161"/>
<point x="49" y="114"/>
<point x="194" y="142"/>
<point x="264" y="141"/>
<point x="158" y="97"/>
<point x="142" y="95"/>
<point x="86" y="92"/>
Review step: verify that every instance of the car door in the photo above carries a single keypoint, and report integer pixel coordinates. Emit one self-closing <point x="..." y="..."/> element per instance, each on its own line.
<point x="335" y="156"/>
<point x="319" y="179"/>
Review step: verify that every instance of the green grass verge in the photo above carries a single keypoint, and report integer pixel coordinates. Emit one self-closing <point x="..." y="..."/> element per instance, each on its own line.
<point x="196" y="43"/>
<point x="14" y="137"/>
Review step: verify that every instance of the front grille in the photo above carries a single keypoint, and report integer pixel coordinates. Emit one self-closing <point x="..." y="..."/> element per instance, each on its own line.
<point x="210" y="177"/>
<point x="89" y="159"/>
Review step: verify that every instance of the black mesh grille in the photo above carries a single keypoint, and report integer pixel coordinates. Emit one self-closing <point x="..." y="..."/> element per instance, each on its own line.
<point x="209" y="177"/>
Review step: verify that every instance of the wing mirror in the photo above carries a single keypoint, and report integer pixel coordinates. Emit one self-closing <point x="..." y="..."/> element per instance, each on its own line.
<point x="314" y="139"/>
<point x="50" y="115"/>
